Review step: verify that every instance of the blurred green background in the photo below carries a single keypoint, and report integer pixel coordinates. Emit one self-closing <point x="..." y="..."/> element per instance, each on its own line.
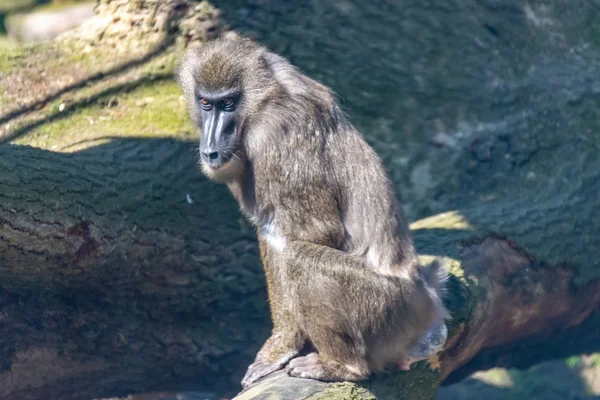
<point x="51" y="18"/>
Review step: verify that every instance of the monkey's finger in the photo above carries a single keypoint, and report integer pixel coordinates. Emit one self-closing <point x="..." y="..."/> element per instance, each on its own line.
<point x="259" y="370"/>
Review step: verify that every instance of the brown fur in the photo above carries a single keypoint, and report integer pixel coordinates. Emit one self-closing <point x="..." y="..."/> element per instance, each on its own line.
<point x="341" y="267"/>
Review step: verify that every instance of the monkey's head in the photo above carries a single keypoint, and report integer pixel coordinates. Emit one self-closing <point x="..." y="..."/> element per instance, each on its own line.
<point x="224" y="83"/>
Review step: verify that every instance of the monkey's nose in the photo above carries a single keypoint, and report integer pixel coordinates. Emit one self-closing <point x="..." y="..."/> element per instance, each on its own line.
<point x="212" y="155"/>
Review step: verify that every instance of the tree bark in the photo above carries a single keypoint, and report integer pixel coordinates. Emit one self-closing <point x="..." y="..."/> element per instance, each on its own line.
<point x="123" y="270"/>
<point x="112" y="281"/>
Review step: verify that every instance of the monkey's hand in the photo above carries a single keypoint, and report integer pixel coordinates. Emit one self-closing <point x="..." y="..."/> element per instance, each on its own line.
<point x="273" y="356"/>
<point x="259" y="369"/>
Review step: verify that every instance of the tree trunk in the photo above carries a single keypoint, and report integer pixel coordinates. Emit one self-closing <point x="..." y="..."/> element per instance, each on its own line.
<point x="123" y="270"/>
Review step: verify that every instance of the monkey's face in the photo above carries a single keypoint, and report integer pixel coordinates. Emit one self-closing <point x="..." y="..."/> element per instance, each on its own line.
<point x="220" y="137"/>
<point x="223" y="82"/>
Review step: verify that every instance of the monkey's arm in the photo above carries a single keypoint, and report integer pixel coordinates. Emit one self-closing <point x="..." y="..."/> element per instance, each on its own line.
<point x="324" y="259"/>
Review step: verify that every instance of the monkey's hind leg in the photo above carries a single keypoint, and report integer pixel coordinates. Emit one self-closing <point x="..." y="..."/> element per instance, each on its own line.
<point x="280" y="348"/>
<point x="313" y="366"/>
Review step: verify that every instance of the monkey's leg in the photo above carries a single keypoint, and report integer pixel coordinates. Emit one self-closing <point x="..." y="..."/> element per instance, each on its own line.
<point x="286" y="340"/>
<point x="323" y="278"/>
<point x="339" y="300"/>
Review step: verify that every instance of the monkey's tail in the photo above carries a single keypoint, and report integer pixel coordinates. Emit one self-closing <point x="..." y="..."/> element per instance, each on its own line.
<point x="436" y="275"/>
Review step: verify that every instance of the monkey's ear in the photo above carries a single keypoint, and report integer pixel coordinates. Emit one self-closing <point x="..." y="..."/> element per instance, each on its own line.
<point x="186" y="69"/>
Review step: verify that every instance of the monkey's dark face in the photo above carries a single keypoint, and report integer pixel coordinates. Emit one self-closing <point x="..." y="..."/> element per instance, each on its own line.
<point x="219" y="116"/>
<point x="224" y="82"/>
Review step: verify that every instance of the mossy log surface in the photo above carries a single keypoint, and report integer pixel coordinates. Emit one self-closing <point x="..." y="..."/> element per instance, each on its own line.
<point x="123" y="270"/>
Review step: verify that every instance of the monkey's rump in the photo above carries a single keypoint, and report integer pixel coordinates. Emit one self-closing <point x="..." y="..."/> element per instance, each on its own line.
<point x="431" y="343"/>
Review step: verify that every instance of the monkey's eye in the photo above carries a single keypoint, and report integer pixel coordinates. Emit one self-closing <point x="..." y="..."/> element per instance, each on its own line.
<point x="205" y="104"/>
<point x="228" y="104"/>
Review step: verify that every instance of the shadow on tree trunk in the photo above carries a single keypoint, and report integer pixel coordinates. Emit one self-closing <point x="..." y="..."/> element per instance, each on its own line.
<point x="122" y="269"/>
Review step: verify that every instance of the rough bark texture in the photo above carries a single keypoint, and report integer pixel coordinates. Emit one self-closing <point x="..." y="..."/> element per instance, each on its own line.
<point x="466" y="100"/>
<point x="122" y="269"/>
<point x="112" y="282"/>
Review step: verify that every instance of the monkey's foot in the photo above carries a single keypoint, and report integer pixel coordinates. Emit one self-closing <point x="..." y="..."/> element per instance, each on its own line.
<point x="259" y="369"/>
<point x="431" y="343"/>
<point x="313" y="367"/>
